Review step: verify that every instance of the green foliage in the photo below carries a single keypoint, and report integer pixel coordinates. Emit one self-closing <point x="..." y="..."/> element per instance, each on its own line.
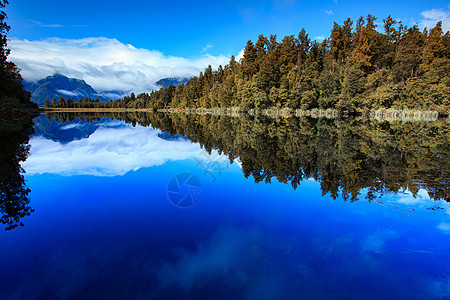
<point x="354" y="70"/>
<point x="12" y="94"/>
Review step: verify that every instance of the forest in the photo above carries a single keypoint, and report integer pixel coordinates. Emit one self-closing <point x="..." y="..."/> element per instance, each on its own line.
<point x="359" y="68"/>
<point x="356" y="158"/>
<point x="16" y="125"/>
<point x="14" y="100"/>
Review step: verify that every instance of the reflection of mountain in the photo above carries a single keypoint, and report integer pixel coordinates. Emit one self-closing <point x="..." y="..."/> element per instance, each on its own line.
<point x="109" y="148"/>
<point x="168" y="137"/>
<point x="76" y="129"/>
<point x="345" y="156"/>
<point x="60" y="85"/>
<point x="63" y="132"/>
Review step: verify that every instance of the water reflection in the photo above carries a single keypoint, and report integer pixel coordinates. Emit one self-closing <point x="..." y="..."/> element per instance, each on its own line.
<point x="346" y="156"/>
<point x="14" y="149"/>
<point x="111" y="148"/>
<point x="96" y="235"/>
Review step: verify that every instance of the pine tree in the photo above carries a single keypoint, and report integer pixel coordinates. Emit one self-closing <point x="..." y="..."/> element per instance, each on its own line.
<point x="249" y="65"/>
<point x="434" y="46"/>
<point x="341" y="40"/>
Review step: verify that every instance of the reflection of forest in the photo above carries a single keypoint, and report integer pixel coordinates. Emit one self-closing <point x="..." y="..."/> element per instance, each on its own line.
<point x="344" y="155"/>
<point x="14" y="148"/>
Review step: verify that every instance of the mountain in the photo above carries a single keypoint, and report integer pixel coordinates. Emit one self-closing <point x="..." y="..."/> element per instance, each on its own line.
<point x="168" y="137"/>
<point x="165" y="82"/>
<point x="63" y="132"/>
<point x="59" y="85"/>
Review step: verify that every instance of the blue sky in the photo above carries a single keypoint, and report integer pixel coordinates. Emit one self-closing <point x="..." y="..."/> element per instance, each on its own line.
<point x="199" y="32"/>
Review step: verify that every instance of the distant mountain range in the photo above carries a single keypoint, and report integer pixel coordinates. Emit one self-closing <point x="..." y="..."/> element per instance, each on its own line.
<point x="59" y="85"/>
<point x="165" y="82"/>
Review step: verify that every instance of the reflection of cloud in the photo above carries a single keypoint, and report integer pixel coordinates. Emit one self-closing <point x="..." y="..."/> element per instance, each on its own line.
<point x="234" y="262"/>
<point x="444" y="227"/>
<point x="70" y="126"/>
<point x="107" y="152"/>
<point x="212" y="259"/>
<point x="376" y="242"/>
<point x="408" y="198"/>
<point x="106" y="64"/>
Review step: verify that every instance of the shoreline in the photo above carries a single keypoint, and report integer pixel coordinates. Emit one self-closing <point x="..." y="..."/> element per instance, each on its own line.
<point x="380" y="114"/>
<point x="83" y="109"/>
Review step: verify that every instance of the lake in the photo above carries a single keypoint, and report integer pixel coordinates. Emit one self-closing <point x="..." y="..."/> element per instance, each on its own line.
<point x="182" y="206"/>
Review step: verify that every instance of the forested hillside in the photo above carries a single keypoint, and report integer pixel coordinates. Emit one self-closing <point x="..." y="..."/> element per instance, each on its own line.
<point x="359" y="67"/>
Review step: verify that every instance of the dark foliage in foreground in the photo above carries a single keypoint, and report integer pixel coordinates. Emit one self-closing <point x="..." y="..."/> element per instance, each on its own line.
<point x="12" y="94"/>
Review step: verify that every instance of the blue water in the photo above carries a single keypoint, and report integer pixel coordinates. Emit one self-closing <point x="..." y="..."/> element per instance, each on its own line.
<point x="105" y="226"/>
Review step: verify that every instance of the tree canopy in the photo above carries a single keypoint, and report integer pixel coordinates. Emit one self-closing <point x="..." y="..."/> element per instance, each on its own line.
<point x="12" y="94"/>
<point x="359" y="67"/>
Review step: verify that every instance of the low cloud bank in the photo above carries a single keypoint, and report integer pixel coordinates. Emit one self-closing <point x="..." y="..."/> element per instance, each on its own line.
<point x="106" y="64"/>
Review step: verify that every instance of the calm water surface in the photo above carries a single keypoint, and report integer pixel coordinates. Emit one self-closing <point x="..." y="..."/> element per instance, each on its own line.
<point x="136" y="212"/>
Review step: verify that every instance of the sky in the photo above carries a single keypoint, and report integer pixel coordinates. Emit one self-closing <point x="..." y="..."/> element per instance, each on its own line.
<point x="129" y="45"/>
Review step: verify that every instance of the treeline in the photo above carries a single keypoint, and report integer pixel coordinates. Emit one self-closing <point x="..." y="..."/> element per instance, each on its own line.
<point x="12" y="94"/>
<point x="88" y="102"/>
<point x="143" y="100"/>
<point x="345" y="155"/>
<point x="358" y="68"/>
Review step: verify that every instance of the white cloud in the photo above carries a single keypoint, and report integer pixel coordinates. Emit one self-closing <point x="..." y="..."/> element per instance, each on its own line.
<point x="106" y="64"/>
<point x="39" y="24"/>
<point x="207" y="47"/>
<point x="432" y="16"/>
<point x="240" y="55"/>
<point x="320" y="38"/>
<point x="329" y="12"/>
<point x="68" y="93"/>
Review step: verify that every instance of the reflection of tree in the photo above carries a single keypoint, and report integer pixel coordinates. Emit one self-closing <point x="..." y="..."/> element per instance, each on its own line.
<point x="345" y="155"/>
<point x="14" y="201"/>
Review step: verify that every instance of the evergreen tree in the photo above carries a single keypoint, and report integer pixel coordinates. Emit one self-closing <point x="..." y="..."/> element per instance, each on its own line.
<point x="12" y="94"/>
